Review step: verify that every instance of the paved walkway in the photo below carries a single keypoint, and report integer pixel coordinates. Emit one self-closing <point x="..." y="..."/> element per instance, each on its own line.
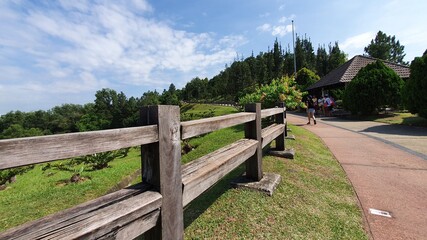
<point x="387" y="168"/>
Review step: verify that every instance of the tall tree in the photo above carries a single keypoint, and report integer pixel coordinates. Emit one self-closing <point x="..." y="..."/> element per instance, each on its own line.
<point x="336" y="57"/>
<point x="386" y="48"/>
<point x="322" y="61"/>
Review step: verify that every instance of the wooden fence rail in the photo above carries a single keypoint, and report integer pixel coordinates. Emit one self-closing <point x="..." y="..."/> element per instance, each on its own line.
<point x="155" y="206"/>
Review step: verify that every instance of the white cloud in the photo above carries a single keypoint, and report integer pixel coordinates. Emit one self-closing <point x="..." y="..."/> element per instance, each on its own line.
<point x="264" y="28"/>
<point x="280" y="29"/>
<point x="355" y="45"/>
<point x="264" y="15"/>
<point x="82" y="46"/>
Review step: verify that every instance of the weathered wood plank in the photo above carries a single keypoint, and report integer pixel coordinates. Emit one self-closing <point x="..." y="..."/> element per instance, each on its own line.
<point x="197" y="127"/>
<point x="271" y="132"/>
<point x="88" y="220"/>
<point x="280" y="119"/>
<point x="162" y="169"/>
<point x="202" y="173"/>
<point x="26" y="151"/>
<point x="110" y="218"/>
<point x="57" y="220"/>
<point x="271" y="111"/>
<point x="253" y="131"/>
<point x="137" y="227"/>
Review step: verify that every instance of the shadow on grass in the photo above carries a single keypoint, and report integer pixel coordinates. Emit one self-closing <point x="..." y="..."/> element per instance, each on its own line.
<point x="415" y="121"/>
<point x="199" y="205"/>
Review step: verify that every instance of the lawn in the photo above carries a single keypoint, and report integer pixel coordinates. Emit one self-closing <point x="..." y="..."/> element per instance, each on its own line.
<point x="38" y="193"/>
<point x="402" y="118"/>
<point x="313" y="201"/>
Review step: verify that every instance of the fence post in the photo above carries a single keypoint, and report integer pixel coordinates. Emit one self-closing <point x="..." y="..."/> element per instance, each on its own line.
<point x="280" y="119"/>
<point x="162" y="168"/>
<point x="253" y="131"/>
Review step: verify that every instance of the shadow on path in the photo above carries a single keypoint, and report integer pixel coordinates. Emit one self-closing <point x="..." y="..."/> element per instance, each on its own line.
<point x="398" y="130"/>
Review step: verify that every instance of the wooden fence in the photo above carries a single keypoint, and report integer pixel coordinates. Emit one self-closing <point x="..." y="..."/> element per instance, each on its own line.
<point x="155" y="206"/>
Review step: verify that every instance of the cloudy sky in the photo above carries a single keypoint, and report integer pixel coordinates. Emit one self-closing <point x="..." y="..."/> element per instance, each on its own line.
<point x="62" y="51"/>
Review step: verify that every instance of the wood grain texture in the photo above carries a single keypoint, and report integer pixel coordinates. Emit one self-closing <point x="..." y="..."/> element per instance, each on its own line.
<point x="253" y="131"/>
<point x="271" y="111"/>
<point x="162" y="169"/>
<point x="137" y="227"/>
<point x="202" y="173"/>
<point x="197" y="127"/>
<point x="26" y="151"/>
<point x="271" y="132"/>
<point x="92" y="219"/>
<point x="280" y="119"/>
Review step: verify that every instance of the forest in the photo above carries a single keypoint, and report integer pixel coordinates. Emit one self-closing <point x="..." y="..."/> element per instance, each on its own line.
<point x="113" y="109"/>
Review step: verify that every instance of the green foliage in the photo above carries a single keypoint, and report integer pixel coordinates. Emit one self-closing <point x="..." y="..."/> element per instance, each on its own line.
<point x="8" y="174"/>
<point x="17" y="131"/>
<point x="375" y="86"/>
<point x="279" y="90"/>
<point x="305" y="78"/>
<point x="305" y="57"/>
<point x="386" y="48"/>
<point x="169" y="97"/>
<point x="336" y="57"/>
<point x="416" y="87"/>
<point x="90" y="162"/>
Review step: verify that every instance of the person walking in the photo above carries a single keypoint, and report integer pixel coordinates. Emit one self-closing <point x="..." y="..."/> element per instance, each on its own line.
<point x="310" y="109"/>
<point x="328" y="105"/>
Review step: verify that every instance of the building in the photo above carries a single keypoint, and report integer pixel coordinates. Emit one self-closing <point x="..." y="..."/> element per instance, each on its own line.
<point x="342" y="75"/>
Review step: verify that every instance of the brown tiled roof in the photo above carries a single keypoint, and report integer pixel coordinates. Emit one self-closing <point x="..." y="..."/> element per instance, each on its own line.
<point x="347" y="71"/>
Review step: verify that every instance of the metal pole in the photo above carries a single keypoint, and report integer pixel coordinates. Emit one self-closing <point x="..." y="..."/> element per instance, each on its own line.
<point x="293" y="42"/>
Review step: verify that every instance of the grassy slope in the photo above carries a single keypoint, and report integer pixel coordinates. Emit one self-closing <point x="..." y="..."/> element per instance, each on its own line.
<point x="192" y="108"/>
<point x="313" y="201"/>
<point x="36" y="194"/>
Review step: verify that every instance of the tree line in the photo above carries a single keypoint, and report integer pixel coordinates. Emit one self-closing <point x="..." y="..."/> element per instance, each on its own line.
<point x="243" y="76"/>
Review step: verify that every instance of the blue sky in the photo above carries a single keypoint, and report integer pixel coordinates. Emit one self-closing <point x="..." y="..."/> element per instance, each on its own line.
<point x="63" y="51"/>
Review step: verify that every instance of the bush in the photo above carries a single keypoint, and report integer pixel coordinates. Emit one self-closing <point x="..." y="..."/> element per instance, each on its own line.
<point x="416" y="87"/>
<point x="305" y="78"/>
<point x="375" y="86"/>
<point x="279" y="90"/>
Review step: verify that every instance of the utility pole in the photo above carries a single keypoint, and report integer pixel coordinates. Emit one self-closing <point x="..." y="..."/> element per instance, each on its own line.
<point x="293" y="43"/>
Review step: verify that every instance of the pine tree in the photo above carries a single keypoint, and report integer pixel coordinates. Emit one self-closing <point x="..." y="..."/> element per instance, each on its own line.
<point x="386" y="48"/>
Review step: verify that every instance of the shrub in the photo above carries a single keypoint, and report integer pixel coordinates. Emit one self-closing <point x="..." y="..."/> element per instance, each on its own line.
<point x="375" y="86"/>
<point x="305" y="78"/>
<point x="416" y="87"/>
<point x="279" y="90"/>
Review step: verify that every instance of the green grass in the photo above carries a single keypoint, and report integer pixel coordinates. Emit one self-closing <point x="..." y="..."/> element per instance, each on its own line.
<point x="313" y="201"/>
<point x="36" y="194"/>
<point x="401" y="118"/>
<point x="204" y="109"/>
